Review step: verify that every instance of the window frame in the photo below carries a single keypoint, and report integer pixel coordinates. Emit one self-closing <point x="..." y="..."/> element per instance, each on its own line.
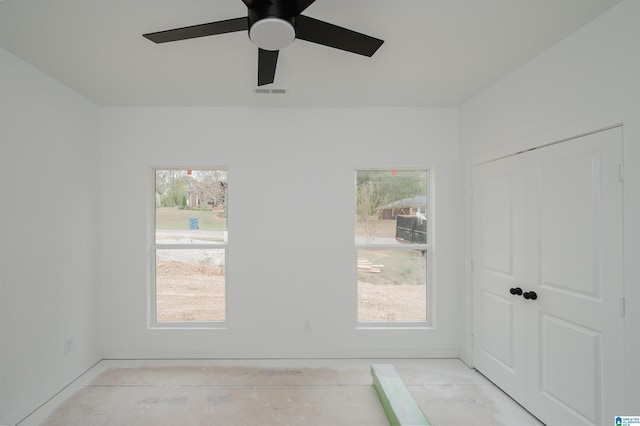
<point x="152" y="307"/>
<point x="428" y="322"/>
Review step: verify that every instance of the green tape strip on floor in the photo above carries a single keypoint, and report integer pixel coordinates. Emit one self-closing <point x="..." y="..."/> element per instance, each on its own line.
<point x="398" y="404"/>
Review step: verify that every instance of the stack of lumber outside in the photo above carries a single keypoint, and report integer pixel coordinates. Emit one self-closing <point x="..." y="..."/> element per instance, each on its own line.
<point x="365" y="265"/>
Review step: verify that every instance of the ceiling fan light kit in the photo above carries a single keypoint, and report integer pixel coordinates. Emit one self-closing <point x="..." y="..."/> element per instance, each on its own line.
<point x="273" y="25"/>
<point x="272" y="34"/>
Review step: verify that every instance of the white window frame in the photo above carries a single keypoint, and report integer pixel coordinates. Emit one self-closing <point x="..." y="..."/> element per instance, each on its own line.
<point x="153" y="322"/>
<point x="428" y="323"/>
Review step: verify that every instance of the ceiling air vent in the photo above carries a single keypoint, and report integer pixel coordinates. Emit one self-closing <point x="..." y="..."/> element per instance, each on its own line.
<point x="270" y="91"/>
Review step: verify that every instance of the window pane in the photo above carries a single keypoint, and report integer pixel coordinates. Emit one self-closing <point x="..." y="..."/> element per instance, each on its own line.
<point x="392" y="285"/>
<point x="191" y="206"/>
<point x="391" y="206"/>
<point x="190" y="285"/>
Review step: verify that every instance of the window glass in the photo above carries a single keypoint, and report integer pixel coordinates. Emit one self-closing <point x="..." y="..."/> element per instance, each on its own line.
<point x="189" y="245"/>
<point x="392" y="285"/>
<point x="392" y="242"/>
<point x="191" y="206"/>
<point x="190" y="285"/>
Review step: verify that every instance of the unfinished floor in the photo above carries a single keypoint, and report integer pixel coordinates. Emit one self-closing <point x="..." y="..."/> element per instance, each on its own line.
<point x="272" y="392"/>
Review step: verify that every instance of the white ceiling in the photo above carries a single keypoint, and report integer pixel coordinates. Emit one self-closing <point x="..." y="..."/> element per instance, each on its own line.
<point x="436" y="52"/>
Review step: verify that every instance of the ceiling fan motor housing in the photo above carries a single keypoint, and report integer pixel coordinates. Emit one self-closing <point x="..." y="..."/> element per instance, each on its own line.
<point x="271" y="25"/>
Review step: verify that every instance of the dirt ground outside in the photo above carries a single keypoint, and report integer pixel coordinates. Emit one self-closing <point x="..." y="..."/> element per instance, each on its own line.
<point x="189" y="292"/>
<point x="190" y="283"/>
<point x="195" y="291"/>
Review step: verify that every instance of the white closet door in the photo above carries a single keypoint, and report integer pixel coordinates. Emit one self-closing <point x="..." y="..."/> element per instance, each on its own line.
<point x="499" y="266"/>
<point x="574" y="265"/>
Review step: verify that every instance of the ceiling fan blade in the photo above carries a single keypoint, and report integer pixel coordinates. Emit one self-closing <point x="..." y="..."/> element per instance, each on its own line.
<point x="202" y="30"/>
<point x="316" y="31"/>
<point x="267" y="61"/>
<point x="301" y="5"/>
<point x="253" y="3"/>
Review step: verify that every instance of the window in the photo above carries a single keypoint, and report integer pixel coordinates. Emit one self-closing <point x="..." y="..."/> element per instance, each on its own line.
<point x="392" y="241"/>
<point x="189" y="246"/>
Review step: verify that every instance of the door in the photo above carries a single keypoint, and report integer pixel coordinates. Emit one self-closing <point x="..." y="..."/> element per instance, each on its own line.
<point x="554" y="231"/>
<point x="499" y="267"/>
<point x="574" y="265"/>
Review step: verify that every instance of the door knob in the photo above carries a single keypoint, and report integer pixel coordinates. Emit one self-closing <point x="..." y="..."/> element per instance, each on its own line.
<point x="516" y="291"/>
<point x="530" y="295"/>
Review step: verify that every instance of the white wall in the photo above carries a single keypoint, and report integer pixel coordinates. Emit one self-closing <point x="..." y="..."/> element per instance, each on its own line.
<point x="586" y="82"/>
<point x="49" y="263"/>
<point x="291" y="252"/>
<point x="50" y="250"/>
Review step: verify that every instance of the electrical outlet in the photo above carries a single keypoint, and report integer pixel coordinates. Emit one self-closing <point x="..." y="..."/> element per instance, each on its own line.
<point x="68" y="345"/>
<point x="307" y="326"/>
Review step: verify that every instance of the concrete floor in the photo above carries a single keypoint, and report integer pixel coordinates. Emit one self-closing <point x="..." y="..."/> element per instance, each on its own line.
<point x="272" y="392"/>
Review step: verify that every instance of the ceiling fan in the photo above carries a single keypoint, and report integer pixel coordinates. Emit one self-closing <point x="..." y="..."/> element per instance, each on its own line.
<point x="273" y="25"/>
